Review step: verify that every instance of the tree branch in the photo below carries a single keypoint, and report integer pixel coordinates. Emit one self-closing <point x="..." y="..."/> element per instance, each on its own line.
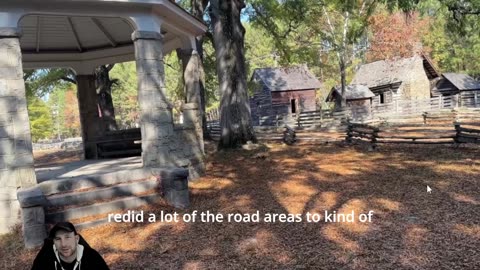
<point x="109" y="66"/>
<point x="329" y="22"/>
<point x="209" y="36"/>
<point x="463" y="10"/>
<point x="170" y="66"/>
<point x="269" y="26"/>
<point x="67" y="79"/>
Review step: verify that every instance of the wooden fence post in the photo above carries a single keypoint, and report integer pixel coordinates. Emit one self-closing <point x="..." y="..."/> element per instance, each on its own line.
<point x="457" y="134"/>
<point x="374" y="137"/>
<point x="321" y="118"/>
<point x="348" y="139"/>
<point x="456" y="116"/>
<point x="475" y="98"/>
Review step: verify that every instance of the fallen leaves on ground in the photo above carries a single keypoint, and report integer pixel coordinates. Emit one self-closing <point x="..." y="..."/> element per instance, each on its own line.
<point x="410" y="229"/>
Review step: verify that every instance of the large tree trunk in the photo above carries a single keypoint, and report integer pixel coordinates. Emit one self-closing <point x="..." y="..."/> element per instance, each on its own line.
<point x="105" y="102"/>
<point x="191" y="69"/>
<point x="228" y="34"/>
<point x="198" y="10"/>
<point x="203" y="101"/>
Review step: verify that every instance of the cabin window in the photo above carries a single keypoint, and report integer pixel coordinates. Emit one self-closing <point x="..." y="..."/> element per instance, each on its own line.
<point x="293" y="104"/>
<point x="382" y="98"/>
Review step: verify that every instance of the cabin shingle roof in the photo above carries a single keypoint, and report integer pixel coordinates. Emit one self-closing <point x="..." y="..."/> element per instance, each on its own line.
<point x="462" y="81"/>
<point x="353" y="92"/>
<point x="385" y="72"/>
<point x="284" y="79"/>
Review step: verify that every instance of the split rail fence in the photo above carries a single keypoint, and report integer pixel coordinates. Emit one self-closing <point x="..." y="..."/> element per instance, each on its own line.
<point x="400" y="111"/>
<point x="442" y="128"/>
<point x="328" y="118"/>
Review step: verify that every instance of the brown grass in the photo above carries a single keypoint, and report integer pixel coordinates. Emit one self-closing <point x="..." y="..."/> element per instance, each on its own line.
<point x="410" y="230"/>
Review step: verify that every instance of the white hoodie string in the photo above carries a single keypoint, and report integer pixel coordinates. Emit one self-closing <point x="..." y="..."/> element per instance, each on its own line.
<point x="75" y="267"/>
<point x="78" y="258"/>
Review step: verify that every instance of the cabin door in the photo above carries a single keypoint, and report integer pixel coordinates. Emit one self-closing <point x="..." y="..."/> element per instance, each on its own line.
<point x="293" y="106"/>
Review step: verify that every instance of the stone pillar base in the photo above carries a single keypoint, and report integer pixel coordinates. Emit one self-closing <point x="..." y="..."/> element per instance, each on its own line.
<point x="32" y="201"/>
<point x="34" y="229"/>
<point x="174" y="187"/>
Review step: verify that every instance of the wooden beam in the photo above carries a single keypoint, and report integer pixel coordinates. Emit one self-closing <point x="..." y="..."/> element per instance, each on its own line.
<point x="104" y="31"/>
<point x="39" y="30"/>
<point x="75" y="34"/>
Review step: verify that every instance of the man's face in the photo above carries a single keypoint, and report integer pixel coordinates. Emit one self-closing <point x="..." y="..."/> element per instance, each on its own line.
<point x="66" y="244"/>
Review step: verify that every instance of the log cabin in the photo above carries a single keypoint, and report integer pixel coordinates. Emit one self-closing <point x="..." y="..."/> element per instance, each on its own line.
<point x="403" y="79"/>
<point x="282" y="91"/>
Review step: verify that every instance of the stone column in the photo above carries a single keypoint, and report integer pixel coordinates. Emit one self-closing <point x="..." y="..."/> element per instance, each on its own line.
<point x="192" y="138"/>
<point x="158" y="138"/>
<point x="89" y="118"/>
<point x="16" y="157"/>
<point x="164" y="144"/>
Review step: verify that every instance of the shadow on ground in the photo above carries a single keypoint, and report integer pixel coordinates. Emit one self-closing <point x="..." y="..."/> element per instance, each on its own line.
<point x="410" y="228"/>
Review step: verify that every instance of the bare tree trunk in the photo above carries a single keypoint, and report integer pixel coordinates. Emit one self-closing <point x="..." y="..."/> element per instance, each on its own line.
<point x="341" y="51"/>
<point x="343" y="79"/>
<point x="104" y="90"/>
<point x="228" y="33"/>
<point x="342" y="56"/>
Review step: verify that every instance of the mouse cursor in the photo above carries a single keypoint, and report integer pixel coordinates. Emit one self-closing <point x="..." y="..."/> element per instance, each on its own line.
<point x="429" y="190"/>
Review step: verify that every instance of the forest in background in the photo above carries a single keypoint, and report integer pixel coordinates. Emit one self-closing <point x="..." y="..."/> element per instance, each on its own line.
<point x="324" y="37"/>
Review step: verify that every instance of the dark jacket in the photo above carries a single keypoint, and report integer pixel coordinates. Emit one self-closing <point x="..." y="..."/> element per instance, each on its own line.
<point x="89" y="259"/>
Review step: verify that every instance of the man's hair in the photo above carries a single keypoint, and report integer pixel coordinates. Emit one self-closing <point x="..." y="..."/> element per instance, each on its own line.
<point x="62" y="226"/>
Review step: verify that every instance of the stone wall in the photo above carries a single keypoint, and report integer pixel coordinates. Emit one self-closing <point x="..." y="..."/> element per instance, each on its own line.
<point x="415" y="84"/>
<point x="16" y="158"/>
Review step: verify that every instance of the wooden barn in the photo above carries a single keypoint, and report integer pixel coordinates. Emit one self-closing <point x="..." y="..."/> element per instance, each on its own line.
<point x="465" y="89"/>
<point x="402" y="79"/>
<point x="356" y="95"/>
<point x="280" y="91"/>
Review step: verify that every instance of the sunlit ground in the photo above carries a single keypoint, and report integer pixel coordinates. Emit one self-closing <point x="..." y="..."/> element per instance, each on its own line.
<point x="410" y="229"/>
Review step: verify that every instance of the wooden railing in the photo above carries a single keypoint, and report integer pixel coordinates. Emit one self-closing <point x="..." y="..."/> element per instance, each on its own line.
<point x="399" y="110"/>
<point x="359" y="113"/>
<point x="213" y="115"/>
